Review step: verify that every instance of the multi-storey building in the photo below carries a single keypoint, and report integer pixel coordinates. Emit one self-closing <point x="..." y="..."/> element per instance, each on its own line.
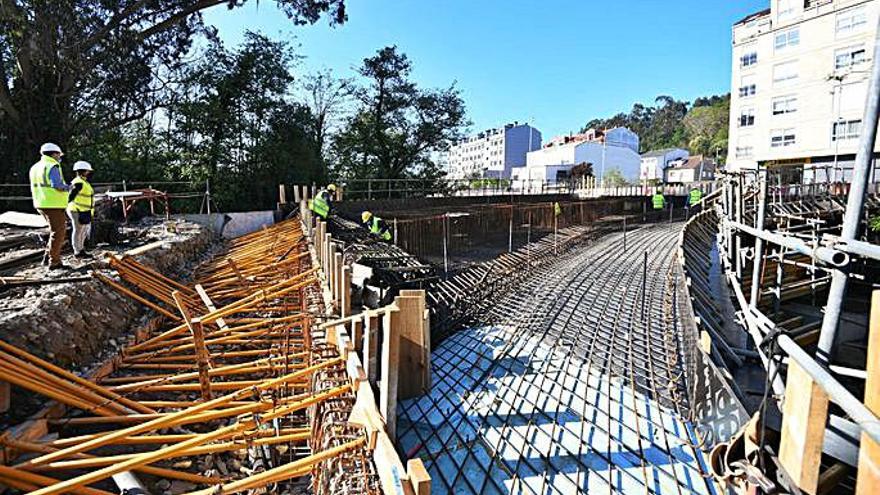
<point x="800" y="80"/>
<point x="604" y="150"/>
<point x="492" y="153"/>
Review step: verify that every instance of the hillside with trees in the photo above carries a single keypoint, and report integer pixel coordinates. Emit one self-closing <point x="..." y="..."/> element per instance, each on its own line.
<point x="701" y="126"/>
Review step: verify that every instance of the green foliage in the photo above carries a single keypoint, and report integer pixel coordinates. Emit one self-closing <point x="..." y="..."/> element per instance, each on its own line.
<point x="77" y="72"/>
<point x="396" y="126"/>
<point x="614" y="178"/>
<point x="874" y="223"/>
<point x="701" y="127"/>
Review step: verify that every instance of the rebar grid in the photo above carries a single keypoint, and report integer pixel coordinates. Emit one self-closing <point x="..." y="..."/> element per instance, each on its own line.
<point x="572" y="386"/>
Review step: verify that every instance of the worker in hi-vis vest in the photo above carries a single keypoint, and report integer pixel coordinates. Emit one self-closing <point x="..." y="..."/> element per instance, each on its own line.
<point x="658" y="201"/>
<point x="695" y="196"/>
<point x="49" y="193"/>
<point x="376" y="226"/>
<point x="322" y="203"/>
<point x="81" y="208"/>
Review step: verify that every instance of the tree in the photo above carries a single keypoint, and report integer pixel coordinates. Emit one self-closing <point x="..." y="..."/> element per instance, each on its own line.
<point x="614" y="178"/>
<point x="397" y="125"/>
<point x="327" y="97"/>
<point x="84" y="67"/>
<point x="707" y="126"/>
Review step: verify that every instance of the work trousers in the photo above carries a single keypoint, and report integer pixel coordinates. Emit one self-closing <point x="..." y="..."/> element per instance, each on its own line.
<point x="57" y="221"/>
<point x="80" y="232"/>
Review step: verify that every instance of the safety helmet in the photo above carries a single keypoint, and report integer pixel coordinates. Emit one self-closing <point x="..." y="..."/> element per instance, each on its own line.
<point x="331" y="187"/>
<point x="82" y="165"/>
<point x="365" y="216"/>
<point x="47" y="148"/>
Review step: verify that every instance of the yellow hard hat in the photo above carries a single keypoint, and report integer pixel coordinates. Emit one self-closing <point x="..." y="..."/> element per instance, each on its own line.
<point x="331" y="187"/>
<point x="366" y="216"/>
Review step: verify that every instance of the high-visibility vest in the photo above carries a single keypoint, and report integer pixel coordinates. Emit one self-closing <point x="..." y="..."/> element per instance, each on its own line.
<point x="695" y="196"/>
<point x="376" y="229"/>
<point x="319" y="204"/>
<point x="658" y="201"/>
<point x="44" y="195"/>
<point x="85" y="199"/>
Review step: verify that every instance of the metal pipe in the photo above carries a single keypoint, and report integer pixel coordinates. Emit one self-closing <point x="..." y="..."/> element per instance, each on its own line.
<point x="854" y="202"/>
<point x="827" y="255"/>
<point x="856" y="247"/>
<point x="758" y="263"/>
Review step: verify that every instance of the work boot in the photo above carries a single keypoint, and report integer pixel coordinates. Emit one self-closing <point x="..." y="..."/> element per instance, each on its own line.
<point x="83" y="255"/>
<point x="59" y="267"/>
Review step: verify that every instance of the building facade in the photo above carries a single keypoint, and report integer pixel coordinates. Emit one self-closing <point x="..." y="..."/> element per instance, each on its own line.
<point x="799" y="85"/>
<point x="655" y="163"/>
<point x="604" y="151"/>
<point x="493" y="153"/>
<point x="689" y="170"/>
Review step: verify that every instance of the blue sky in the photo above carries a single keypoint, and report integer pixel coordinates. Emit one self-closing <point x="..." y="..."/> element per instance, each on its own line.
<point x="555" y="63"/>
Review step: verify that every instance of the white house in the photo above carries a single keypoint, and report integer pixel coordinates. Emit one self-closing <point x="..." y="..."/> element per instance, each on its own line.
<point x="492" y="153"/>
<point x="694" y="169"/>
<point x="605" y="150"/>
<point x="655" y="163"/>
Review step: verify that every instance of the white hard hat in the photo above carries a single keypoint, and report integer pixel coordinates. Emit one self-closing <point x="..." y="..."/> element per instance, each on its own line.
<point x="49" y="148"/>
<point x="81" y="165"/>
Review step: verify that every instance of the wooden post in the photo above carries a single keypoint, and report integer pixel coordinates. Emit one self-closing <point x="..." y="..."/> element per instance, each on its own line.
<point x="330" y="272"/>
<point x="391" y="325"/>
<point x="371" y="347"/>
<point x="338" y="265"/>
<point x="419" y="334"/>
<point x="5" y="396"/>
<point x="201" y="350"/>
<point x="203" y="295"/>
<point x="357" y="334"/>
<point x="296" y="193"/>
<point x="282" y="194"/>
<point x="804" y="415"/>
<point x="868" y="481"/>
<point x="419" y="477"/>
<point x="345" y="310"/>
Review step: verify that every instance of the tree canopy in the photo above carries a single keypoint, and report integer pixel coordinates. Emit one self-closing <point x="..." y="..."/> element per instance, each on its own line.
<point x="701" y="127"/>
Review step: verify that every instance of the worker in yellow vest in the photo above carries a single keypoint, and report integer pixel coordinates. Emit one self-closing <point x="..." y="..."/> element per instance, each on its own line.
<point x="81" y="208"/>
<point x="49" y="194"/>
<point x="376" y="226"/>
<point x="694" y="197"/>
<point x="322" y="203"/>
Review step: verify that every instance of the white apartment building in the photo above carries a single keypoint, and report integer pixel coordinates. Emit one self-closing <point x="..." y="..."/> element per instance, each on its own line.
<point x="607" y="150"/>
<point x="800" y="79"/>
<point x="493" y="153"/>
<point x="655" y="163"/>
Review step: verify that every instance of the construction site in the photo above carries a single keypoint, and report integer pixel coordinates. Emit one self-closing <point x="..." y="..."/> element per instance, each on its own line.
<point x="496" y="344"/>
<point x="364" y="322"/>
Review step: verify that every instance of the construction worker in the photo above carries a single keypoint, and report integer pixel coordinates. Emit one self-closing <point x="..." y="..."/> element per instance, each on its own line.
<point x="376" y="226"/>
<point x="658" y="200"/>
<point x="81" y="208"/>
<point x="322" y="203"/>
<point x="49" y="193"/>
<point x="694" y="198"/>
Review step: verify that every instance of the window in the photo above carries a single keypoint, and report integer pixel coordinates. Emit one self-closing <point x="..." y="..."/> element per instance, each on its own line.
<point x="747" y="117"/>
<point x="787" y="38"/>
<point x="785" y="9"/>
<point x="846" y="130"/>
<point x="785" y="72"/>
<point x="851" y="22"/>
<point x="849" y="57"/>
<point x="852" y="97"/>
<point x="750" y="58"/>
<point x="784" y="105"/>
<point x="745" y="151"/>
<point x="782" y="137"/>
<point x="747" y="86"/>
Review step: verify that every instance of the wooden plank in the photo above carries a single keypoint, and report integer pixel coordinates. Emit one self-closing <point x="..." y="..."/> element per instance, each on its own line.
<point x="392" y="475"/>
<point x="203" y="362"/>
<point x="388" y="383"/>
<point x="365" y="414"/>
<point x="337" y="281"/>
<point x="804" y="415"/>
<point x="357" y="334"/>
<point x="371" y="346"/>
<point x="418" y="477"/>
<point x="345" y="310"/>
<point x="413" y="354"/>
<point x="5" y="396"/>
<point x="206" y="299"/>
<point x="868" y="480"/>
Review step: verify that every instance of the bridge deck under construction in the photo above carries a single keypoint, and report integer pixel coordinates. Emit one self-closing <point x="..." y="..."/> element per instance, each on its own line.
<point x="571" y="384"/>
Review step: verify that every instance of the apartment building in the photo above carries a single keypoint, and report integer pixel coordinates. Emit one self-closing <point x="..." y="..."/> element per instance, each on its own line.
<point x="799" y="83"/>
<point x="493" y="153"/>
<point x="604" y="150"/>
